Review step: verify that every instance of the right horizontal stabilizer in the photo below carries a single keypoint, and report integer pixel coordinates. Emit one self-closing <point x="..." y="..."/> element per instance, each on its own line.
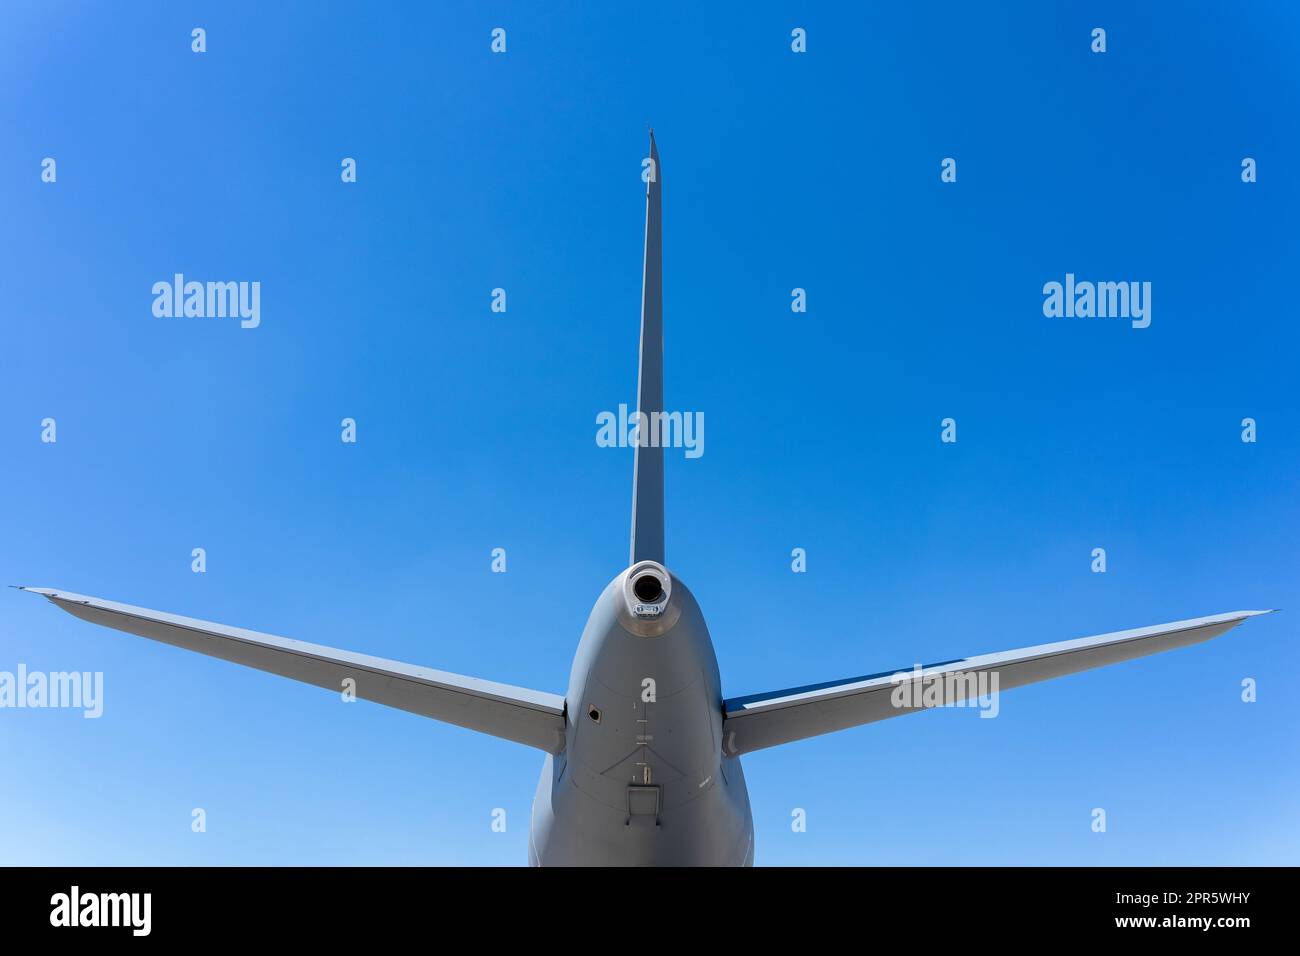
<point x="765" y="720"/>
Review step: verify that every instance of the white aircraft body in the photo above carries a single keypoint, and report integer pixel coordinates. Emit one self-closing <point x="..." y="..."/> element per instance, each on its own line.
<point x="632" y="777"/>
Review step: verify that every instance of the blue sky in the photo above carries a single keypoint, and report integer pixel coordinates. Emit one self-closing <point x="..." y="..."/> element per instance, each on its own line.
<point x="476" y="430"/>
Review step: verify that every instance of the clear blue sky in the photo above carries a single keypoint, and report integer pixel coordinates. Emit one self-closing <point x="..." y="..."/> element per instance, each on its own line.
<point x="476" y="430"/>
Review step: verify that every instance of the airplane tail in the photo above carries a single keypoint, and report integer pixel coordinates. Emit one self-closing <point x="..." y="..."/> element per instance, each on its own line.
<point x="648" y="473"/>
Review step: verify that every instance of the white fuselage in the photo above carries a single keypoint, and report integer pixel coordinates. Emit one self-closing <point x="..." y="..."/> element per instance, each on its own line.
<point x="642" y="779"/>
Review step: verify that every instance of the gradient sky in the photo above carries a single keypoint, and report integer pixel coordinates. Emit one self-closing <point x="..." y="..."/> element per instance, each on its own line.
<point x="477" y="430"/>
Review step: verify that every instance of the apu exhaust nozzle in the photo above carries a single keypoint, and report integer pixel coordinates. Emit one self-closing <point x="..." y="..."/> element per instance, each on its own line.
<point x="648" y="607"/>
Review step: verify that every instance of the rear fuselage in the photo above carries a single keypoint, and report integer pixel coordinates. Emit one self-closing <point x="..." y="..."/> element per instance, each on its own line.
<point x="642" y="779"/>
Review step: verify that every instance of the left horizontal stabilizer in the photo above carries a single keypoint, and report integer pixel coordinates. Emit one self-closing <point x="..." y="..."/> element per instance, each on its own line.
<point x="527" y="716"/>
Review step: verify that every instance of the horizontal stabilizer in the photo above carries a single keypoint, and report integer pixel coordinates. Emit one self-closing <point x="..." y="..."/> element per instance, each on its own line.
<point x="765" y="720"/>
<point x="514" y="713"/>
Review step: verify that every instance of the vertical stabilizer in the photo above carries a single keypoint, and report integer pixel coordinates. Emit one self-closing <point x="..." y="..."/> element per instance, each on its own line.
<point x="648" y="473"/>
